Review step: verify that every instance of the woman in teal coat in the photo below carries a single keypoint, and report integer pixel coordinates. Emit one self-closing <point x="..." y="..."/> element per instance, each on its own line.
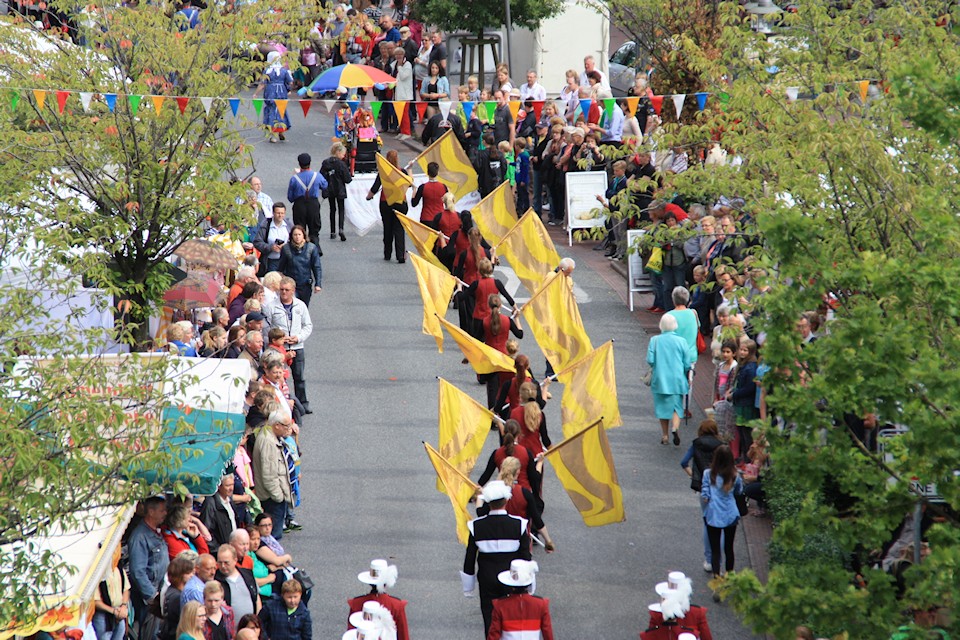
<point x="668" y="356"/>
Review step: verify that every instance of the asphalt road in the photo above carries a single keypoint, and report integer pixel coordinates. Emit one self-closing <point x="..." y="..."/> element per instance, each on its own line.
<point x="369" y="490"/>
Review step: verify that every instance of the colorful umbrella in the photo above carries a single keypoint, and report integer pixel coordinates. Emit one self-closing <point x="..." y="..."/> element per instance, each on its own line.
<point x="192" y="293"/>
<point x="349" y="75"/>
<point x="206" y="253"/>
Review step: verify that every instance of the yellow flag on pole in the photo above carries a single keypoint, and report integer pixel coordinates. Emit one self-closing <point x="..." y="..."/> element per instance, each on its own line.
<point x="483" y="357"/>
<point x="436" y="287"/>
<point x="496" y="214"/>
<point x="423" y="238"/>
<point x="555" y="322"/>
<point x="393" y="181"/>
<point x="464" y="424"/>
<point x="456" y="170"/>
<point x="590" y="391"/>
<point x="584" y="465"/>
<point x="458" y="487"/>
<point x="529" y="250"/>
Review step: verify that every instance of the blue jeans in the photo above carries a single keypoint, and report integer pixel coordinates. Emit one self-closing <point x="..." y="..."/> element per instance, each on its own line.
<point x="537" y="192"/>
<point x="657" y="280"/>
<point x="672" y="277"/>
<point x="278" y="513"/>
<point x="102" y="619"/>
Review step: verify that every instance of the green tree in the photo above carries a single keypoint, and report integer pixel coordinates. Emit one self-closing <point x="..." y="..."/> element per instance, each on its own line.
<point x="854" y="200"/>
<point x="129" y="181"/>
<point x="474" y="17"/>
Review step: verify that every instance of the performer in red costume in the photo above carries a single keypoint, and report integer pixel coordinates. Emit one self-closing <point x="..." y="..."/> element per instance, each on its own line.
<point x="674" y="614"/>
<point x="520" y="615"/>
<point x="381" y="576"/>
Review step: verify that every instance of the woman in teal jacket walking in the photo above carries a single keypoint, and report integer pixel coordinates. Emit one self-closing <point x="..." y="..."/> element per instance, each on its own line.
<point x="667" y="355"/>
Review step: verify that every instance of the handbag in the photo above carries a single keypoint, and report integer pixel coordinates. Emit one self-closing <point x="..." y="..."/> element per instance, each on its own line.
<point x="655" y="263"/>
<point x="701" y="343"/>
<point x="292" y="573"/>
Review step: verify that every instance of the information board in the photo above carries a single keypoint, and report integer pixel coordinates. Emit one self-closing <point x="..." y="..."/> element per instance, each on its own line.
<point x="583" y="187"/>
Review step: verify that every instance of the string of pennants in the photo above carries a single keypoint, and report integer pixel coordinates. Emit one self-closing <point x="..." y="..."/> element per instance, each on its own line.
<point x="484" y="108"/>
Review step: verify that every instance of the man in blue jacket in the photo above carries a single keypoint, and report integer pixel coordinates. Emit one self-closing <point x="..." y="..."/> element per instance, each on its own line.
<point x="303" y="192"/>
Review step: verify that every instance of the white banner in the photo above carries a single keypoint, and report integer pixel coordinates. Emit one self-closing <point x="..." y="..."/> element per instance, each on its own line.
<point x="365" y="214"/>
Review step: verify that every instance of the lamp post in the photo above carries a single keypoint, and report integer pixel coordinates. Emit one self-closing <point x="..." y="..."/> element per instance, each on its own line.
<point x="759" y="12"/>
<point x="506" y="7"/>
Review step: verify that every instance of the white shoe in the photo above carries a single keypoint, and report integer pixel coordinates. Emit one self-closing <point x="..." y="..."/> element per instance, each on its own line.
<point x="707" y="566"/>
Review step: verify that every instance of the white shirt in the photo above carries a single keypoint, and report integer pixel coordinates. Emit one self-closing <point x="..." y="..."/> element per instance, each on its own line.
<point x="604" y="81"/>
<point x="536" y="92"/>
<point x="266" y="205"/>
<point x="230" y="512"/>
<point x="275" y="233"/>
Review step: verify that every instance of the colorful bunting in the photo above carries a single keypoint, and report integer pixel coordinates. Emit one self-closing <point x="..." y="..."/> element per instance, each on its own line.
<point x="14" y="99"/>
<point x="491" y="110"/>
<point x="40" y="97"/>
<point x="85" y="97"/>
<point x="537" y="108"/>
<point x="329" y="104"/>
<point x="134" y="102"/>
<point x="678" y="104"/>
<point x="444" y="108"/>
<point x="514" y="106"/>
<point x="421" y="109"/>
<point x="632" y="103"/>
<point x="157" y="103"/>
<point x="281" y="107"/>
<point x="182" y="104"/>
<point x="657" y="102"/>
<point x="400" y="108"/>
<point x="467" y="109"/>
<point x="585" y="105"/>
<point x="608" y="105"/>
<point x="353" y="104"/>
<point x="234" y="106"/>
<point x="258" y="105"/>
<point x="111" y="99"/>
<point x="375" y="107"/>
<point x="701" y="100"/>
<point x="62" y="100"/>
<point x="304" y="105"/>
<point x="864" y="87"/>
<point x="792" y="93"/>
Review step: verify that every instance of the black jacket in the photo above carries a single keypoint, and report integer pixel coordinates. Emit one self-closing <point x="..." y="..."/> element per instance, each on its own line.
<point x="248" y="580"/>
<point x="338" y="176"/>
<point x="214" y="517"/>
<point x="703" y="448"/>
<point x="436" y="128"/>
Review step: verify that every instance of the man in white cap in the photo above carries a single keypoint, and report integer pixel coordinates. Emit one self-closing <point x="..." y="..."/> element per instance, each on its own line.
<point x="519" y="614"/>
<point x="674" y="613"/>
<point x="381" y="576"/>
<point x="496" y="540"/>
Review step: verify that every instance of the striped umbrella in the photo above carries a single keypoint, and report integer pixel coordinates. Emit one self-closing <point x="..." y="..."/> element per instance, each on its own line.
<point x="349" y="75"/>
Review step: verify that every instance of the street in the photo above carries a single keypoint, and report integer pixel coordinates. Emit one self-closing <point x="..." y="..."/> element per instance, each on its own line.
<point x="369" y="490"/>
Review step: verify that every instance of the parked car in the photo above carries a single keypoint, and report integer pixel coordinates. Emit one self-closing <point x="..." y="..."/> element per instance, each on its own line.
<point x="623" y="67"/>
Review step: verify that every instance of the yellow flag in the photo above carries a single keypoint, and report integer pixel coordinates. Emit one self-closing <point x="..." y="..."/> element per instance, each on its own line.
<point x="590" y="391"/>
<point x="41" y="97"/>
<point x="393" y="181"/>
<point x="157" y="103"/>
<point x="529" y="250"/>
<point x="458" y="487"/>
<point x="514" y="106"/>
<point x="436" y="287"/>
<point x="456" y="171"/>
<point x="496" y="214"/>
<point x="483" y="357"/>
<point x="281" y="107"/>
<point x="555" y="322"/>
<point x="423" y="238"/>
<point x="464" y="424"/>
<point x="584" y="466"/>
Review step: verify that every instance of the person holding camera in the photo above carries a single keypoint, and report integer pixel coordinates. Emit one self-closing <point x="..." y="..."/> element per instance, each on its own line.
<point x="272" y="234"/>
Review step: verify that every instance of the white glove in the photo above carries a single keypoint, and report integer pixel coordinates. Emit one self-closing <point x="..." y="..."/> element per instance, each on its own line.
<point x="469" y="583"/>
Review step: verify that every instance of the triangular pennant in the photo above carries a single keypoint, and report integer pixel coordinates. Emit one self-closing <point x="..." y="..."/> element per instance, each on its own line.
<point x="678" y="103"/>
<point x="491" y="110"/>
<point x="305" y="106"/>
<point x="85" y="97"/>
<point x="632" y="103"/>
<point x="608" y="105"/>
<point x="538" y="108"/>
<point x="444" y="108"/>
<point x="111" y="100"/>
<point x="375" y="107"/>
<point x="134" y="102"/>
<point x="467" y="109"/>
<point x="657" y="102"/>
<point x="792" y="93"/>
<point x="585" y="105"/>
<point x="724" y="100"/>
<point x="400" y="108"/>
<point x="281" y="107"/>
<point x="157" y="103"/>
<point x="421" y="109"/>
<point x="41" y="97"/>
<point x="182" y="102"/>
<point x="258" y="105"/>
<point x="62" y="100"/>
<point x="14" y="99"/>
<point x="701" y="101"/>
<point x="329" y="103"/>
<point x="354" y="105"/>
<point x="864" y="87"/>
<point x="234" y="106"/>
<point x="514" y="106"/>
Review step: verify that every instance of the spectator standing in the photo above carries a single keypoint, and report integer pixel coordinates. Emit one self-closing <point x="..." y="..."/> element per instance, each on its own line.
<point x="438" y="50"/>
<point x="270" y="237"/>
<point x="221" y="625"/>
<point x="264" y="201"/>
<point x="221" y="515"/>
<point x="111" y="600"/>
<point x="404" y="91"/>
<point x="503" y="129"/>
<point x="287" y="618"/>
<point x="303" y="191"/>
<point x="532" y="90"/>
<point x="292" y="316"/>
<point x="148" y="562"/>
<point x="239" y="586"/>
<point x="193" y="622"/>
<point x="252" y="351"/>
<point x="337" y="176"/>
<point x="270" y="468"/>
<point x="193" y="589"/>
<point x="743" y="394"/>
<point x="300" y="260"/>
<point x="721" y="484"/>
<point x="590" y="65"/>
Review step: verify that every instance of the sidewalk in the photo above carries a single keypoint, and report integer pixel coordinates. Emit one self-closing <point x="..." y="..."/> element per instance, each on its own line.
<point x="756" y="530"/>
